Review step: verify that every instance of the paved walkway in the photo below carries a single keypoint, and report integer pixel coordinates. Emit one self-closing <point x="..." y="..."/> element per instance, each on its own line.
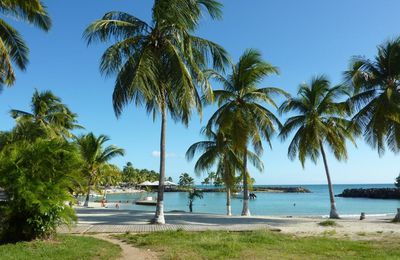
<point x="121" y="221"/>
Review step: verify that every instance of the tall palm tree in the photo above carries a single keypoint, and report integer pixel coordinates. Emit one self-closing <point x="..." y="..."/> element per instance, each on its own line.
<point x="241" y="108"/>
<point x="13" y="49"/>
<point x="95" y="157"/>
<point x="377" y="96"/>
<point x="219" y="150"/>
<point x="158" y="64"/>
<point x="320" y="121"/>
<point x="48" y="111"/>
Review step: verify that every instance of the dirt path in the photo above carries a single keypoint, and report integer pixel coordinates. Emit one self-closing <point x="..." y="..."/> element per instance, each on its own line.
<point x="128" y="252"/>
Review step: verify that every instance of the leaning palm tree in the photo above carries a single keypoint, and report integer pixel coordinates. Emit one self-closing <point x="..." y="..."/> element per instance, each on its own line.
<point x="158" y="64"/>
<point x="320" y="121"/>
<point x="48" y="112"/>
<point x="95" y="157"/>
<point x="241" y="109"/>
<point x="377" y="96"/>
<point x="13" y="49"/>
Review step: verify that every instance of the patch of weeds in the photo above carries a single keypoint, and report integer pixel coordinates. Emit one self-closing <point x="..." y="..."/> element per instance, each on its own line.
<point x="328" y="223"/>
<point x="330" y="232"/>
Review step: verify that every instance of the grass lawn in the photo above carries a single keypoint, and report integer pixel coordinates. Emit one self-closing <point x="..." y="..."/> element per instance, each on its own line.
<point x="63" y="247"/>
<point x="259" y="245"/>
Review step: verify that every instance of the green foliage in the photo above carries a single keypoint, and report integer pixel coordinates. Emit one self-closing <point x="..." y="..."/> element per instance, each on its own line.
<point x="63" y="247"/>
<point x="36" y="177"/>
<point x="320" y="119"/>
<point x="259" y="245"/>
<point x="376" y="97"/>
<point x="192" y="196"/>
<point x="13" y="47"/>
<point x="328" y="223"/>
<point x="134" y="176"/>
<point x="397" y="183"/>
<point x="96" y="159"/>
<point x="185" y="180"/>
<point x="49" y="118"/>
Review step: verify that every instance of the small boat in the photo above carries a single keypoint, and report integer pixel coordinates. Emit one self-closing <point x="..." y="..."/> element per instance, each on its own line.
<point x="147" y="201"/>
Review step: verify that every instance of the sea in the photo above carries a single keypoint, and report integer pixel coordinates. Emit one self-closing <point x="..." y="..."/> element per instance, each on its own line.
<point x="315" y="203"/>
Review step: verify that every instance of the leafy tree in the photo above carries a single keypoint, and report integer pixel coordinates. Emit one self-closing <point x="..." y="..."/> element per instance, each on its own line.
<point x="192" y="195"/>
<point x="185" y="180"/>
<point x="13" y="48"/>
<point x="95" y="157"/>
<point x="49" y="116"/>
<point x="241" y="108"/>
<point x="36" y="177"/>
<point x="319" y="120"/>
<point x="158" y="64"/>
<point x="397" y="183"/>
<point x="377" y="96"/>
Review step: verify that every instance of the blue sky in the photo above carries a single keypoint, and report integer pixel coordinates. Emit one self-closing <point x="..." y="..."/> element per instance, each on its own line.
<point x="302" y="38"/>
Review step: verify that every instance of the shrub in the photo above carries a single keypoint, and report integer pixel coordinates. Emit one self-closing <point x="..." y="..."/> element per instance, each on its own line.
<point x="36" y="177"/>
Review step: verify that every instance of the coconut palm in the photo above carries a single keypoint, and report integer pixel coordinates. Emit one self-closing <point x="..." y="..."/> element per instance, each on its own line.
<point x="185" y="180"/>
<point x="95" y="157"/>
<point x="48" y="112"/>
<point x="192" y="195"/>
<point x="158" y="64"/>
<point x="241" y="108"/>
<point x="377" y="96"/>
<point x="219" y="150"/>
<point x="13" y="49"/>
<point x="320" y="121"/>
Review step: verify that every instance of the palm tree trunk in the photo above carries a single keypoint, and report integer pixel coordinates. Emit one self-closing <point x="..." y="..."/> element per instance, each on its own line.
<point x="86" y="204"/>
<point x="333" y="213"/>
<point x="159" y="216"/>
<point x="245" y="210"/>
<point x="228" y="202"/>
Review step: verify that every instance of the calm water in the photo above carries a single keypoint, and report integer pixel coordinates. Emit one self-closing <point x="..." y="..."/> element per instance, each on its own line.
<point x="281" y="204"/>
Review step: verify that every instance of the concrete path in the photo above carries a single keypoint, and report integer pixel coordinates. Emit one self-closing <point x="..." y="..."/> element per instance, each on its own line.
<point x="121" y="221"/>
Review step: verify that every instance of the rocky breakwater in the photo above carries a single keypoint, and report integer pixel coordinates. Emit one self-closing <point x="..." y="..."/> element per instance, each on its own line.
<point x="376" y="193"/>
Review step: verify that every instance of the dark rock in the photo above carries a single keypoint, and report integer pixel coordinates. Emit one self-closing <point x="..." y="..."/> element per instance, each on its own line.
<point x="381" y="193"/>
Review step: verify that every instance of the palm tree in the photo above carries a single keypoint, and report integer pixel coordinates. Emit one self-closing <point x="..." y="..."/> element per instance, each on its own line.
<point x="185" y="180"/>
<point x="320" y="120"/>
<point x="377" y="96"/>
<point x="241" y="108"/>
<point x="95" y="157"/>
<point x="192" y="195"/>
<point x="13" y="49"/>
<point x="48" y="112"/>
<point x="158" y="64"/>
<point x="219" y="150"/>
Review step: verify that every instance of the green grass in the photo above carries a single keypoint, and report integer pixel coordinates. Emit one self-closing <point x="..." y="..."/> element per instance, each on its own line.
<point x="62" y="248"/>
<point x="328" y="223"/>
<point x="259" y="245"/>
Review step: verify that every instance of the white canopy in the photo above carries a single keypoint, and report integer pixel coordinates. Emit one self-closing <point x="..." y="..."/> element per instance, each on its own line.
<point x="156" y="183"/>
<point x="170" y="183"/>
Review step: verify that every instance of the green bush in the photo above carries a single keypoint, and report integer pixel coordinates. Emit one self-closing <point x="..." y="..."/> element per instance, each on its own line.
<point x="36" y="177"/>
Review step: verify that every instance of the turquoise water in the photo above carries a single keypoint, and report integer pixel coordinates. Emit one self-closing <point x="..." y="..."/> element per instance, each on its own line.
<point x="278" y="204"/>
